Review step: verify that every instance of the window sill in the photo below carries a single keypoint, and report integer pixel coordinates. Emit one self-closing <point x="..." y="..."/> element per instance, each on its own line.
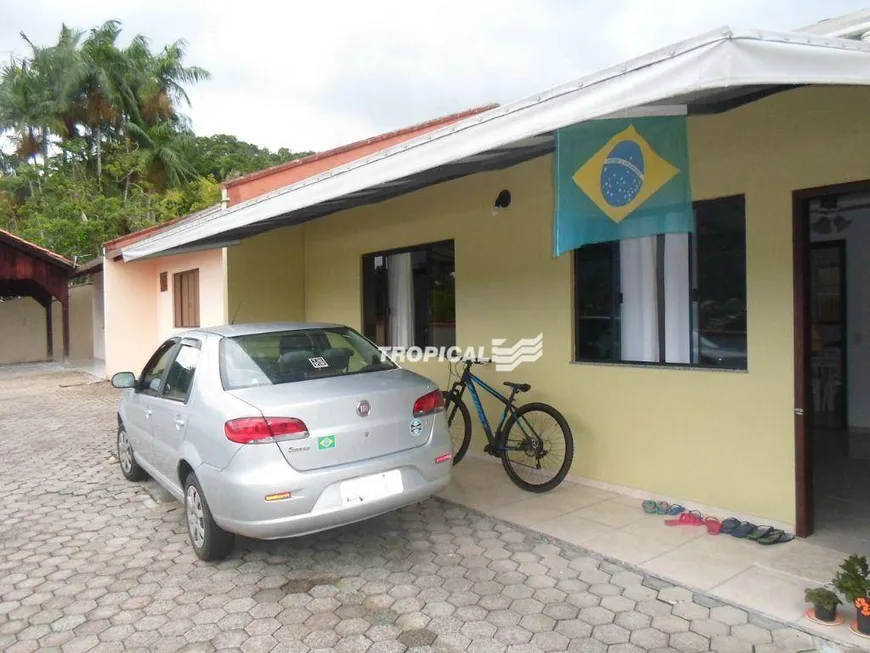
<point x="661" y="366"/>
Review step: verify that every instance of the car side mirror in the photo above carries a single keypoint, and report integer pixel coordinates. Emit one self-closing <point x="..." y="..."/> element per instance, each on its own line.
<point x="124" y="380"/>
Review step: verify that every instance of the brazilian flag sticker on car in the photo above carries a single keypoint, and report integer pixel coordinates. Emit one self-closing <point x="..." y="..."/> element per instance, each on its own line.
<point x="326" y="442"/>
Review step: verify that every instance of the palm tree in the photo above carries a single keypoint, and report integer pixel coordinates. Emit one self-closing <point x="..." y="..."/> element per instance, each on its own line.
<point x="59" y="69"/>
<point x="20" y="108"/>
<point x="166" y="76"/>
<point x="107" y="81"/>
<point x="164" y="153"/>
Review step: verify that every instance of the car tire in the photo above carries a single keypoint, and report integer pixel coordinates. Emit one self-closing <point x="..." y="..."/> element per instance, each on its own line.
<point x="209" y="541"/>
<point x="129" y="467"/>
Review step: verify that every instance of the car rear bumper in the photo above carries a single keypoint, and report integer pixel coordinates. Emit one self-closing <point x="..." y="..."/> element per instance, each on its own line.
<point x="236" y="494"/>
<point x="321" y="520"/>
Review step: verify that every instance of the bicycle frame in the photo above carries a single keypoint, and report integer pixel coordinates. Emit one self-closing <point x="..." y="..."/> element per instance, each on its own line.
<point x="496" y="440"/>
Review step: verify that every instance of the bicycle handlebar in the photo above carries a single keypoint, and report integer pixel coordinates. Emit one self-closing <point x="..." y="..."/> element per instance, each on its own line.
<point x="477" y="361"/>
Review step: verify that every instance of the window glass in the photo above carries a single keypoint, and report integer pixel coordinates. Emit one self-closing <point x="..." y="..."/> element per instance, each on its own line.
<point x="597" y="302"/>
<point x="152" y="375"/>
<point x="290" y="356"/>
<point x="674" y="298"/>
<point x="409" y="297"/>
<point x="721" y="283"/>
<point x="179" y="379"/>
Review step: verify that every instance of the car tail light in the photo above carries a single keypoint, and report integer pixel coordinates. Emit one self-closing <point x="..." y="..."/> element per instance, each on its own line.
<point x="246" y="430"/>
<point x="429" y="403"/>
<point x="444" y="457"/>
<point x="283" y="426"/>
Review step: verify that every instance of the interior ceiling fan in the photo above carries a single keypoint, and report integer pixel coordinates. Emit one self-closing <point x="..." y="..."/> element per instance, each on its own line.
<point x="830" y="219"/>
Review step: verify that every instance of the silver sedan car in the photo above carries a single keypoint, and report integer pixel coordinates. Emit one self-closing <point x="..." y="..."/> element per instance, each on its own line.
<point x="280" y="430"/>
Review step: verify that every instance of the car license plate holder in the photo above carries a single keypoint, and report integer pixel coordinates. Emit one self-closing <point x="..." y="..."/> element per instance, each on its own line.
<point x="364" y="489"/>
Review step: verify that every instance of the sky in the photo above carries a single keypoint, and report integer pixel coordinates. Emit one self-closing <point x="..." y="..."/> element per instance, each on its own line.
<point x="314" y="75"/>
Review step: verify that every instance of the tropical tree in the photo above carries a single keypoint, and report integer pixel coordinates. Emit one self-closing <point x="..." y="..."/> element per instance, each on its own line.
<point x="94" y="142"/>
<point x="164" y="152"/>
<point x="21" y="101"/>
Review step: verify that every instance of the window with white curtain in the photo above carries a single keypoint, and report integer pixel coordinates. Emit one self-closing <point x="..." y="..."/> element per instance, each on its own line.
<point x="674" y="298"/>
<point x="409" y="296"/>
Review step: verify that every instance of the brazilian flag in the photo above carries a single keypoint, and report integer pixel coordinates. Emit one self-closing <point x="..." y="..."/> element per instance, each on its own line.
<point x="621" y="178"/>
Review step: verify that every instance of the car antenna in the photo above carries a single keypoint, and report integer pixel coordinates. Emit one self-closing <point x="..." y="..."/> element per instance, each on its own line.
<point x="236" y="314"/>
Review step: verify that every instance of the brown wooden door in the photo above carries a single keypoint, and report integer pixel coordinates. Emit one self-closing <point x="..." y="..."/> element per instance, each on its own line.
<point x="802" y="391"/>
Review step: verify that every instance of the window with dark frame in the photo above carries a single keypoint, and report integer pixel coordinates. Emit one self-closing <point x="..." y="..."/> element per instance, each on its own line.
<point x="668" y="299"/>
<point x="185" y="286"/>
<point x="409" y="296"/>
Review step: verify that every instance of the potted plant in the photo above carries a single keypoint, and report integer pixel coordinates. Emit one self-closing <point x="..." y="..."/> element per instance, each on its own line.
<point x="853" y="581"/>
<point x="824" y="602"/>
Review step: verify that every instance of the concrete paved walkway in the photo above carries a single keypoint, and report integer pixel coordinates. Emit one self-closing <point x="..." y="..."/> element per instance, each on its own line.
<point x="91" y="562"/>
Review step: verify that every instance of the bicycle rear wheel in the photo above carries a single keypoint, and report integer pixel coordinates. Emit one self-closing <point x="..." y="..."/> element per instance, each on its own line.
<point x="540" y="447"/>
<point x="459" y="425"/>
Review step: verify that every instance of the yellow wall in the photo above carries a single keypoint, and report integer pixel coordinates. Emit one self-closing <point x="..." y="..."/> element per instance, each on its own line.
<point x="139" y="317"/>
<point x="264" y="277"/>
<point x="719" y="438"/>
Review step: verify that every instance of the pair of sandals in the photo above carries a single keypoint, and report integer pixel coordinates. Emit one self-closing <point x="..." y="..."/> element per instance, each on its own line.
<point x="764" y="535"/>
<point x="684" y="517"/>
<point x="651" y="507"/>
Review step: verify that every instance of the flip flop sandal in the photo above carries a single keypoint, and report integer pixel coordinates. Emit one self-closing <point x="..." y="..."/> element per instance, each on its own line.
<point x="729" y="525"/>
<point x="759" y="532"/>
<point x="662" y="507"/>
<point x="676" y="509"/>
<point x="649" y="507"/>
<point x="713" y="525"/>
<point x="776" y="537"/>
<point x="744" y="529"/>
<point x="692" y="518"/>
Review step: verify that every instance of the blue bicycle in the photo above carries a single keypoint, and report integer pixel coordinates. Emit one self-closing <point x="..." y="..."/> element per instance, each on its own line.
<point x="533" y="441"/>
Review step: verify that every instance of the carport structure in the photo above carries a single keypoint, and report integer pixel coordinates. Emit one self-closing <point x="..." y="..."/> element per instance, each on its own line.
<point x="28" y="270"/>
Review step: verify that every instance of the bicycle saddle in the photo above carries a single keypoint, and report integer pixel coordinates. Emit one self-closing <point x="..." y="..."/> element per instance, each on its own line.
<point x="519" y="387"/>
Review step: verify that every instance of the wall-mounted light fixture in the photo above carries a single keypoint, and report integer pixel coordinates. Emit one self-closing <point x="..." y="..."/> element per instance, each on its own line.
<point x="502" y="201"/>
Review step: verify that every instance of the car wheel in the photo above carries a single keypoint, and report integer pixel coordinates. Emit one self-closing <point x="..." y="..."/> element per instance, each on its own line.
<point x="129" y="467"/>
<point x="209" y="541"/>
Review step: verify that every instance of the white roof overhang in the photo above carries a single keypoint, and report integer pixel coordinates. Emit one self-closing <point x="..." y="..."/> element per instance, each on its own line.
<point x="708" y="74"/>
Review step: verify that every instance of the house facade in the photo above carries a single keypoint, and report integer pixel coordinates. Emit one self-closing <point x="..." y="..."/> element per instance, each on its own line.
<point x="148" y="301"/>
<point x="719" y="425"/>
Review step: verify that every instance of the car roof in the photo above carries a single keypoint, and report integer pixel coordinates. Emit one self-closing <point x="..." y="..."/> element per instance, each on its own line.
<point x="233" y="330"/>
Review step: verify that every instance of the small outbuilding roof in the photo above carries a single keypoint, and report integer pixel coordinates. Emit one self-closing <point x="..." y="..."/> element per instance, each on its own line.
<point x="35" y="251"/>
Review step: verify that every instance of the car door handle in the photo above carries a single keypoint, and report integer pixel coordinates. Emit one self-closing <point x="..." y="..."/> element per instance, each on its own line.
<point x="147" y="413"/>
<point x="179" y="422"/>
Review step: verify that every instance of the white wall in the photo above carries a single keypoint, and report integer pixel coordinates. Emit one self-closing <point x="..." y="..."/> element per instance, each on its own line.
<point x="99" y="317"/>
<point x="81" y="316"/>
<point x="857" y="237"/>
<point x="22" y="331"/>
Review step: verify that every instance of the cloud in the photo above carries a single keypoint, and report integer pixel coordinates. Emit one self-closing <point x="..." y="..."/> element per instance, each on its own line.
<point x="312" y="75"/>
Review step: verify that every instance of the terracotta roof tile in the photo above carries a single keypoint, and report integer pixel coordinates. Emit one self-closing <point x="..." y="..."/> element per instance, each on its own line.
<point x="319" y="156"/>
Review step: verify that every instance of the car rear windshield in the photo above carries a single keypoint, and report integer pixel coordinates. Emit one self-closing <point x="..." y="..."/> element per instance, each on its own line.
<point x="289" y="356"/>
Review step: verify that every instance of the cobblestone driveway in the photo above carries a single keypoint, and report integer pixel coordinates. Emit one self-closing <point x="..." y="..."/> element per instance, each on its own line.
<point x="90" y="562"/>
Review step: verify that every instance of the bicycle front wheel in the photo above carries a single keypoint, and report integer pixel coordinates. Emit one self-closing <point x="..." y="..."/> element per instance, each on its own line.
<point x="539" y="447"/>
<point x="459" y="425"/>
